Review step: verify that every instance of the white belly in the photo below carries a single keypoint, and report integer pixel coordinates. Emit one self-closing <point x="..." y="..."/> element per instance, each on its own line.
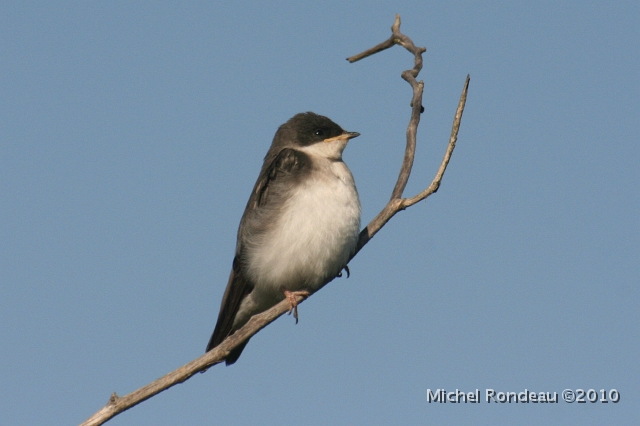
<point x="314" y="237"/>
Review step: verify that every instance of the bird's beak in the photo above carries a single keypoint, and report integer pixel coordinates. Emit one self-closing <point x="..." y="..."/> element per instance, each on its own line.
<point x="345" y="135"/>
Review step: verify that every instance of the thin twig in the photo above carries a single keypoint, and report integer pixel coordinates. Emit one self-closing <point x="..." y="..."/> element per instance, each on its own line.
<point x="435" y="184"/>
<point x="396" y="203"/>
<point x="416" y="101"/>
<point x="117" y="405"/>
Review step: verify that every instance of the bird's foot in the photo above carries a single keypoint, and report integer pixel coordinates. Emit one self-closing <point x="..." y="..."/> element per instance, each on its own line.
<point x="346" y="268"/>
<point x="293" y="303"/>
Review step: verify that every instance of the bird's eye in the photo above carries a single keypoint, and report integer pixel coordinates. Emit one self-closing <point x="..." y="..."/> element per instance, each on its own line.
<point x="319" y="132"/>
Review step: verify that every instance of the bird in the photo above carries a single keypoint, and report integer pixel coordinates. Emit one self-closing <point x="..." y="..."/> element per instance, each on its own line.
<point x="299" y="228"/>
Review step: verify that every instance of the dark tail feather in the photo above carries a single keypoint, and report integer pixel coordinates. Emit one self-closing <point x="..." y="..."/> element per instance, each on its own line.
<point x="237" y="289"/>
<point x="235" y="354"/>
<point x="215" y="340"/>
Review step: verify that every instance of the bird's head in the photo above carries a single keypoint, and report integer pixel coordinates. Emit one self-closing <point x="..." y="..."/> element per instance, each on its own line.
<point x="314" y="134"/>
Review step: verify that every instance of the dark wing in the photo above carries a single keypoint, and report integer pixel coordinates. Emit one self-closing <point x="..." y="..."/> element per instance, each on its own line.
<point x="269" y="192"/>
<point x="276" y="175"/>
<point x="237" y="289"/>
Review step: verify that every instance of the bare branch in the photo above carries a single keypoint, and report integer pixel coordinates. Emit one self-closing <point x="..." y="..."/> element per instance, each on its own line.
<point x="390" y="42"/>
<point x="435" y="184"/>
<point x="396" y="203"/>
<point x="117" y="405"/>
<point x="416" y="101"/>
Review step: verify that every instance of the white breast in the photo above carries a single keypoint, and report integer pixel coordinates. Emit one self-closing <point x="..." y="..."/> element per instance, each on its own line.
<point x="314" y="236"/>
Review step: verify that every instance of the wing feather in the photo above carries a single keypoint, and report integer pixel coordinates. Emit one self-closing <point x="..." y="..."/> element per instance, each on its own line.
<point x="278" y="173"/>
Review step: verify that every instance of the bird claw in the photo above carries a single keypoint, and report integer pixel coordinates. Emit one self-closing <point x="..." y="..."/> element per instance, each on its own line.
<point x="346" y="268"/>
<point x="293" y="303"/>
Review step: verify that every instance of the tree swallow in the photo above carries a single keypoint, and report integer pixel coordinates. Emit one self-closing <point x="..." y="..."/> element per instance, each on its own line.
<point x="299" y="228"/>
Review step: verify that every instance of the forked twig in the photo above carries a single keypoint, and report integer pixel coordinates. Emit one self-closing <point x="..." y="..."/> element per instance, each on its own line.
<point x="117" y="405"/>
<point x="397" y="203"/>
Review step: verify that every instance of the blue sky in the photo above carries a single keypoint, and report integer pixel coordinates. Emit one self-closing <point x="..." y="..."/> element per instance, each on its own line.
<point x="132" y="133"/>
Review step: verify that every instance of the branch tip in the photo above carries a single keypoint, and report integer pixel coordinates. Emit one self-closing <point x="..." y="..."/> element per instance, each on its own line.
<point x="396" y="24"/>
<point x="113" y="399"/>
